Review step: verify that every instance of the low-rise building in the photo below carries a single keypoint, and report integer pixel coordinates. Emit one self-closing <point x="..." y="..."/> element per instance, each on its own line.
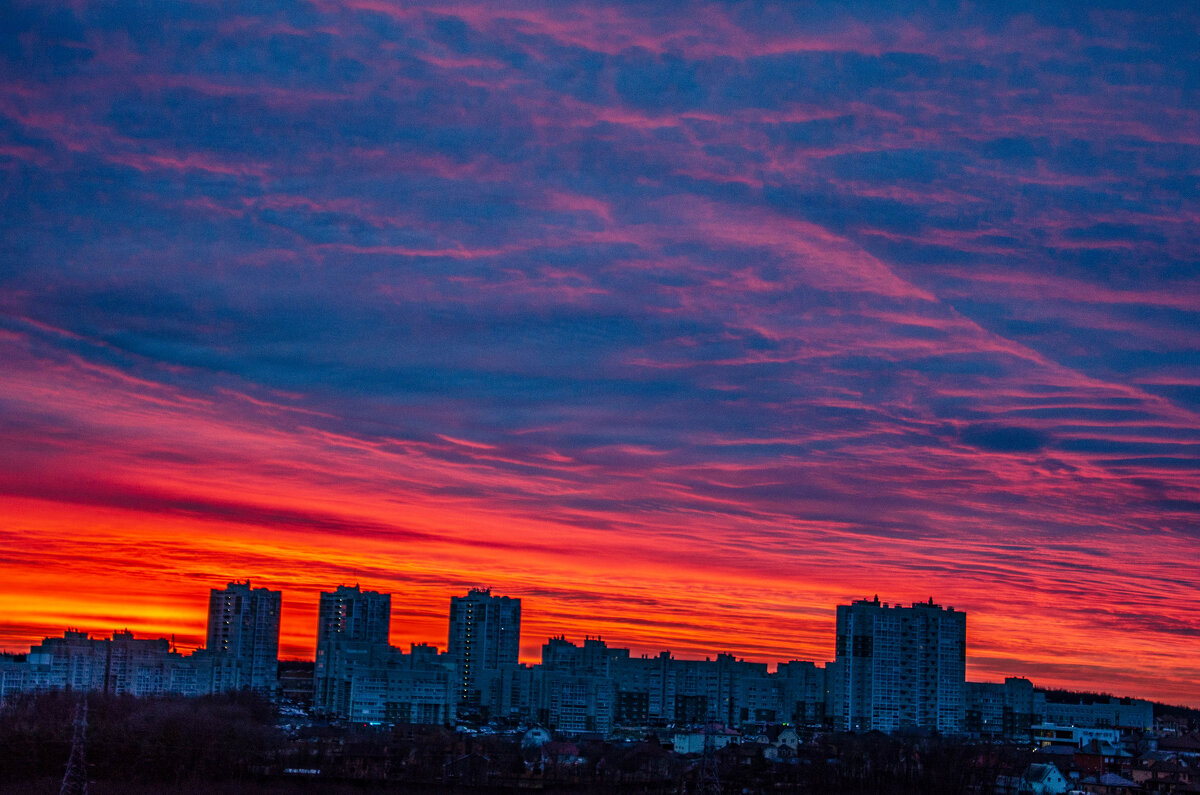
<point x="1005" y="710"/>
<point x="1099" y="712"/>
<point x="1049" y="734"/>
<point x="120" y="665"/>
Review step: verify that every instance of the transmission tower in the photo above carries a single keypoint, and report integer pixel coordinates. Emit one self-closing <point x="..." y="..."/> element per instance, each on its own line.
<point x="75" y="780"/>
<point x="709" y="781"/>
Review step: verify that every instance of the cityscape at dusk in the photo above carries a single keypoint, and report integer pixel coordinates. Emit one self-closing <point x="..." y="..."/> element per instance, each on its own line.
<point x="897" y="668"/>
<point x="681" y="323"/>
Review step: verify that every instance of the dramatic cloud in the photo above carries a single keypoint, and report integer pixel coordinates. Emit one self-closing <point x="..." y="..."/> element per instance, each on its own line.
<point x="666" y="318"/>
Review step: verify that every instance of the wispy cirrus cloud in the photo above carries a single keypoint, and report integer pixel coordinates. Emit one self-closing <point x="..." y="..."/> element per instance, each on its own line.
<point x="689" y="314"/>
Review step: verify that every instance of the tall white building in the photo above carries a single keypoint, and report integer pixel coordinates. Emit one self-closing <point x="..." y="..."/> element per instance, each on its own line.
<point x="243" y="626"/>
<point x="485" y="637"/>
<point x="900" y="667"/>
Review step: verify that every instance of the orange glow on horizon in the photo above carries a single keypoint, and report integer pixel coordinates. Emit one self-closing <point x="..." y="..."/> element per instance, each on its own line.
<point x="151" y="575"/>
<point x="168" y="495"/>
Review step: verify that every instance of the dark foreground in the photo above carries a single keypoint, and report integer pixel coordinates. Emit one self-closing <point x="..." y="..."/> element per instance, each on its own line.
<point x="232" y="744"/>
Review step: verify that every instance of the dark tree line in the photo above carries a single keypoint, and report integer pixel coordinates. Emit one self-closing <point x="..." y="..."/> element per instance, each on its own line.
<point x="230" y="744"/>
<point x="166" y="741"/>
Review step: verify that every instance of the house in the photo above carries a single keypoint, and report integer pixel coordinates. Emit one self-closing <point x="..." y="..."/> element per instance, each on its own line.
<point x="788" y="738"/>
<point x="1109" y="784"/>
<point x="1187" y="746"/>
<point x="1043" y="779"/>
<point x="1097" y="757"/>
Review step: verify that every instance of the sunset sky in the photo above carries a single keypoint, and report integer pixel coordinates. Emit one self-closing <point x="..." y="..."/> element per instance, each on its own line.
<point x="682" y="322"/>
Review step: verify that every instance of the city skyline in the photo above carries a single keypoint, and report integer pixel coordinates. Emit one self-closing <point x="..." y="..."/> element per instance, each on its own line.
<point x="898" y="682"/>
<point x="666" y="319"/>
<point x="898" y="668"/>
<point x="353" y="613"/>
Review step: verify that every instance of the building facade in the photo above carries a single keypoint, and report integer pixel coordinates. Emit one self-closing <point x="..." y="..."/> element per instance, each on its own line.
<point x="1129" y="714"/>
<point x="1005" y="711"/>
<point x="900" y="667"/>
<point x="385" y="685"/>
<point x="484" y="640"/>
<point x="350" y="622"/>
<point x="351" y="614"/>
<point x="803" y="693"/>
<point x="243" y="627"/>
<point x="120" y="665"/>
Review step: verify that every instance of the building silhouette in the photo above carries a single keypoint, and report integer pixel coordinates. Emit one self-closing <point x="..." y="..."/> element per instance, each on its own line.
<point x="1008" y="710"/>
<point x="350" y="622"/>
<point x="900" y="667"/>
<point x="243" y="632"/>
<point x="349" y="614"/>
<point x="485" y="639"/>
<point x="121" y="665"/>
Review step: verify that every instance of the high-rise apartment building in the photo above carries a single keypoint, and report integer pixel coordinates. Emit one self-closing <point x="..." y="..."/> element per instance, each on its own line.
<point x="485" y="636"/>
<point x="351" y="614"/>
<point x="243" y="625"/>
<point x="900" y="667"/>
<point x="350" y="623"/>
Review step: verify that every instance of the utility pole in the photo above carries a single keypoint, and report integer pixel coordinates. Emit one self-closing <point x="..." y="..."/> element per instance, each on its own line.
<point x="75" y="780"/>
